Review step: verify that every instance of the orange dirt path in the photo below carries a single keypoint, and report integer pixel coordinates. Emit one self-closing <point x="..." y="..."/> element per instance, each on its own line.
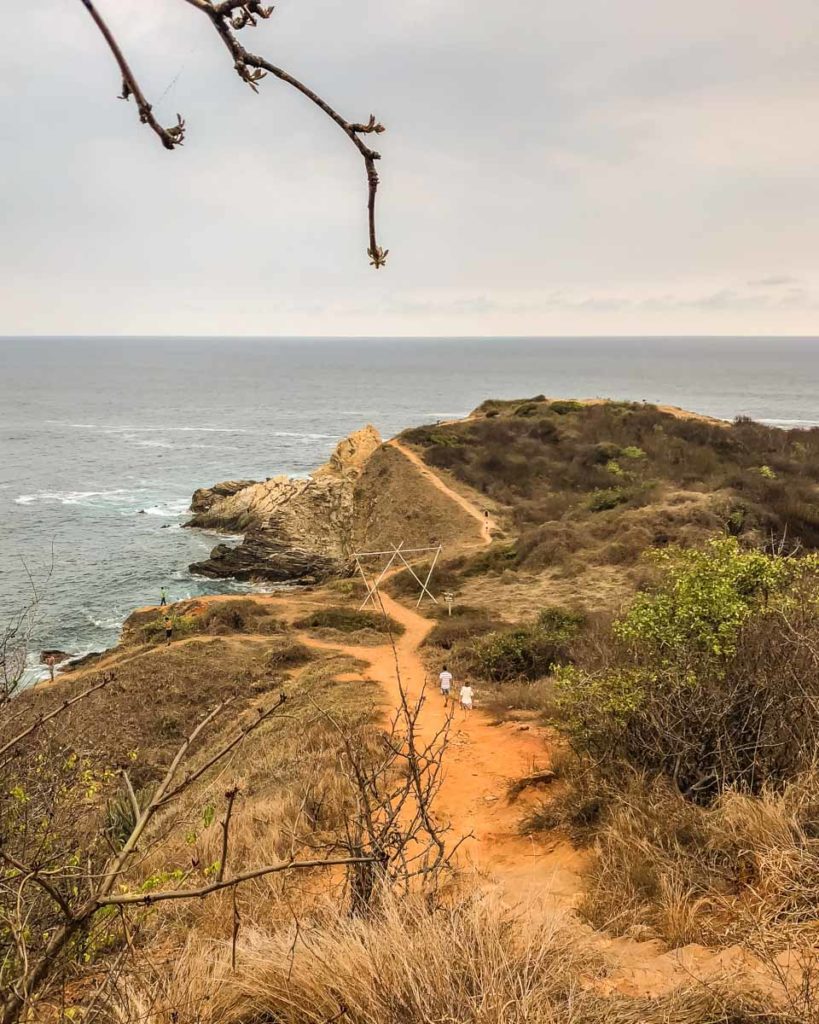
<point x="481" y="762"/>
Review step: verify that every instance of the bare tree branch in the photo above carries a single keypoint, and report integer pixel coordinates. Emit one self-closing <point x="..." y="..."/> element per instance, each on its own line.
<point x="227" y="18"/>
<point x="42" y="719"/>
<point x="170" y="137"/>
<point x="146" y="899"/>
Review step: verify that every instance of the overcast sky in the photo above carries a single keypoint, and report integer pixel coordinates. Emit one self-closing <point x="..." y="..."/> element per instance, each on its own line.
<point x="582" y="167"/>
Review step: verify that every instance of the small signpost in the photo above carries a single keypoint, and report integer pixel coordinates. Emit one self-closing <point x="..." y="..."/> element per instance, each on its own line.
<point x="449" y="597"/>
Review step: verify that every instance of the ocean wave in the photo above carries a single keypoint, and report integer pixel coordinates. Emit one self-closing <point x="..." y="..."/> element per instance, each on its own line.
<point x="129" y="432"/>
<point x="89" y="498"/>
<point x="304" y="435"/>
<point x="806" y="424"/>
<point x="108" y="622"/>
<point x="112" y="428"/>
<point x="168" y="509"/>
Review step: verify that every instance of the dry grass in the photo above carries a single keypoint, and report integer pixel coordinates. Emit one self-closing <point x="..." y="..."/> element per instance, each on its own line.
<point x="746" y="868"/>
<point x="368" y="629"/>
<point x="507" y="700"/>
<point x="292" y="791"/>
<point x="477" y="961"/>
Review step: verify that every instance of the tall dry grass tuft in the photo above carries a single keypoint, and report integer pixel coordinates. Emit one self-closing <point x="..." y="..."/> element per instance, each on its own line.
<point x="477" y="961"/>
<point x="744" y="868"/>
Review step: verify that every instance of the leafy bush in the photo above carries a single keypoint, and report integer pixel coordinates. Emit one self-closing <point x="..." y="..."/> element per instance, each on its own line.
<point x="526" y="652"/>
<point x="710" y="679"/>
<point x="154" y="630"/>
<point x="606" y="498"/>
<point x="563" y="407"/>
<point x="348" y="620"/>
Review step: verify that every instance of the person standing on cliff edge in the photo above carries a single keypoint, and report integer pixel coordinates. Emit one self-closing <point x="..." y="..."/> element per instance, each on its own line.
<point x="168" y="630"/>
<point x="163" y="600"/>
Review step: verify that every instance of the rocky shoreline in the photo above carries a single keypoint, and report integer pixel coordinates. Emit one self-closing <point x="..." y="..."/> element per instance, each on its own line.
<point x="367" y="496"/>
<point x="294" y="530"/>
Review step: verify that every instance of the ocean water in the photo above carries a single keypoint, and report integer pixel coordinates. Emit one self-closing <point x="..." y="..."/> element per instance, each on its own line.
<point x="103" y="441"/>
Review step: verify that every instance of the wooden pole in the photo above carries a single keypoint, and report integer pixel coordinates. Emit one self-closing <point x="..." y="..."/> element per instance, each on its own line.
<point x="374" y="589"/>
<point x="429" y="577"/>
<point x="419" y="581"/>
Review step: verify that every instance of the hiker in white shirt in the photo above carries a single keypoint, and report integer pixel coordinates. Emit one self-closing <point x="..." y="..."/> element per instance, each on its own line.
<point x="466" y="695"/>
<point x="445" y="679"/>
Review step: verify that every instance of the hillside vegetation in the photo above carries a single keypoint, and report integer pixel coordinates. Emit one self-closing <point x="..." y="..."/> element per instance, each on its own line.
<point x="599" y="483"/>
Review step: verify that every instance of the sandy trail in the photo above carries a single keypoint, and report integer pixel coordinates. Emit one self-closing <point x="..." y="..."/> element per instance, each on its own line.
<point x="486" y="523"/>
<point x="481" y="762"/>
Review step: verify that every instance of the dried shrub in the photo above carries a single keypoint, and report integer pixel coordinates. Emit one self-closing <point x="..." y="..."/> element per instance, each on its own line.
<point x="348" y="620"/>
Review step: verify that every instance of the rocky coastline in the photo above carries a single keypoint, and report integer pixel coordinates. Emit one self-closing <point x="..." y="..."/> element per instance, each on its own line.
<point x="367" y="496"/>
<point x="294" y="530"/>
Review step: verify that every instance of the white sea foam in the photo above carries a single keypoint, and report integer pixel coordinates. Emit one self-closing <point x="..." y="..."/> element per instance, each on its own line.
<point x="107" y="622"/>
<point x="89" y="498"/>
<point x="112" y="428"/>
<point x="169" y="509"/>
<point x="301" y="435"/>
<point x="129" y="431"/>
<point x="791" y="423"/>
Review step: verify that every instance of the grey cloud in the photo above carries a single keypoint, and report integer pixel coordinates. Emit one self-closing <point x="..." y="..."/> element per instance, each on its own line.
<point x="547" y="167"/>
<point x="775" y="281"/>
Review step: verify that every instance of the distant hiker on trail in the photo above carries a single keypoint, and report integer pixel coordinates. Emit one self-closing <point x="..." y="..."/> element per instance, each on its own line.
<point x="51" y="661"/>
<point x="466" y="696"/>
<point x="168" y="630"/>
<point x="445" y="679"/>
<point x="486" y="519"/>
<point x="163" y="600"/>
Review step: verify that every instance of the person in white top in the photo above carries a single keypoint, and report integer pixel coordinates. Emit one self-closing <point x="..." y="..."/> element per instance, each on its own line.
<point x="445" y="679"/>
<point x="467" y="695"/>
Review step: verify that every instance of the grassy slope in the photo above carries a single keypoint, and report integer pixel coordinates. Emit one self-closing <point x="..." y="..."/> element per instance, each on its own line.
<point x="584" y="489"/>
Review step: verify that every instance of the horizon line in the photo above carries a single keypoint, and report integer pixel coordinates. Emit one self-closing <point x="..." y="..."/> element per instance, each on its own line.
<point x="405" y="337"/>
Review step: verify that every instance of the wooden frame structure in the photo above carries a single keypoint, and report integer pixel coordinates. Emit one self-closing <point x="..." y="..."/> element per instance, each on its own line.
<point x="397" y="553"/>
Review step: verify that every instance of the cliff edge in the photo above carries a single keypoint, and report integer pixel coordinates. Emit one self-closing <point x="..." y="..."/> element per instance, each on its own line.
<point x="367" y="496"/>
<point x="295" y="529"/>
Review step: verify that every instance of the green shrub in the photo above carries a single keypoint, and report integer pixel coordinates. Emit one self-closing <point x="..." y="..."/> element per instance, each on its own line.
<point x="348" y="620"/>
<point x="526" y="652"/>
<point x="711" y="678"/>
<point x="607" y="498"/>
<point x="563" y="407"/>
<point x="183" y="625"/>
<point x="632" y="452"/>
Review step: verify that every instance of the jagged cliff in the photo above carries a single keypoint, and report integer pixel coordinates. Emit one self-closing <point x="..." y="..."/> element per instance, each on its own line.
<point x="368" y="495"/>
<point x="295" y="529"/>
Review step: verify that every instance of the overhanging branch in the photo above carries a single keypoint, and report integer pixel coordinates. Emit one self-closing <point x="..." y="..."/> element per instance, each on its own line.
<point x="229" y="17"/>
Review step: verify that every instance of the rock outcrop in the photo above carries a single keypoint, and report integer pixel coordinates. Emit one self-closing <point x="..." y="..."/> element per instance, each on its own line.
<point x="297" y="530"/>
<point x="206" y="497"/>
